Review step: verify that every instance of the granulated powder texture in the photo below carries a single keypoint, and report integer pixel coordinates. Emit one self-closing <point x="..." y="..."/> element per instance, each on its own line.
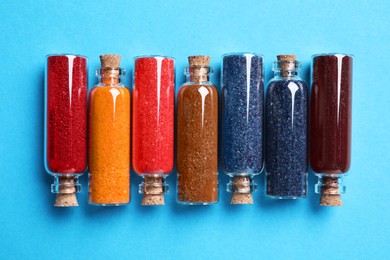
<point x="197" y="144"/>
<point x="286" y="138"/>
<point x="109" y="137"/>
<point x="109" y="145"/>
<point x="153" y="115"/>
<point x="66" y="114"/>
<point x="242" y="113"/>
<point x="330" y="114"/>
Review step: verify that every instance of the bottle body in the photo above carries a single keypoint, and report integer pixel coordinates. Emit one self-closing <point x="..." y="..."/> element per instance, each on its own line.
<point x="331" y="110"/>
<point x="153" y="120"/>
<point x="242" y="117"/>
<point x="286" y="138"/>
<point x="109" y="140"/>
<point x="65" y="121"/>
<point x="197" y="143"/>
<point x="330" y="120"/>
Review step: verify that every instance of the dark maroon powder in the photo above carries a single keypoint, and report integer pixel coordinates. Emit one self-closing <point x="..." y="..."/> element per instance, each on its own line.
<point x="330" y="114"/>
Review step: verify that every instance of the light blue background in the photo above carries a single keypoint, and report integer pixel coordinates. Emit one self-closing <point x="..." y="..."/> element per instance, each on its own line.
<point x="32" y="228"/>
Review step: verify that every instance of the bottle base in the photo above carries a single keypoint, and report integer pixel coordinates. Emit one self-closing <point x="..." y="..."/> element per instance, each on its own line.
<point x="190" y="203"/>
<point x="277" y="197"/>
<point x="108" y="204"/>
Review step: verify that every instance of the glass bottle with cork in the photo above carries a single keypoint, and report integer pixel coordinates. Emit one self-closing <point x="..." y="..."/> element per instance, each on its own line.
<point x="197" y="135"/>
<point x="242" y="84"/>
<point x="65" y="129"/>
<point x="286" y="131"/>
<point x="109" y="136"/>
<point x="330" y="124"/>
<point x="153" y="125"/>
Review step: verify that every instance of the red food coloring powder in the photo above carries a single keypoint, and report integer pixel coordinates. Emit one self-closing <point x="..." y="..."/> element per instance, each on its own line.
<point x="66" y="114"/>
<point x="153" y="115"/>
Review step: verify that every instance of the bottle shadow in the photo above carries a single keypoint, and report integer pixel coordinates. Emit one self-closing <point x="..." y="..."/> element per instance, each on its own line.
<point x="98" y="212"/>
<point x="305" y="74"/>
<point x="312" y="196"/>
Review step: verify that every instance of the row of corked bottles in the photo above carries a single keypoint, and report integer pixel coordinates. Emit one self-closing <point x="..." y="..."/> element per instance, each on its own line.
<point x="115" y="123"/>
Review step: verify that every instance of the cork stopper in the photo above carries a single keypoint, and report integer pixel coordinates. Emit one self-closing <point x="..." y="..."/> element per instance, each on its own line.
<point x="110" y="60"/>
<point x="241" y="191"/>
<point x="286" y="63"/>
<point x="198" y="67"/>
<point x="153" y="191"/>
<point x="332" y="200"/>
<point x="66" y="196"/>
<point x="289" y="57"/>
<point x="199" y="60"/>
<point x="330" y="195"/>
<point x="110" y="64"/>
<point x="241" y="198"/>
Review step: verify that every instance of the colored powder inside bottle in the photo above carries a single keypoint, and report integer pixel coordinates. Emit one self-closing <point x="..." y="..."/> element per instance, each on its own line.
<point x="330" y="114"/>
<point x="286" y="138"/>
<point x="197" y="144"/>
<point x="153" y="115"/>
<point x="66" y="114"/>
<point x="109" y="145"/>
<point x="242" y="113"/>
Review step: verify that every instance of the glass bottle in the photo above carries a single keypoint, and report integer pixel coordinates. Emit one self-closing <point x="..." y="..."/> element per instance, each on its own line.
<point x="109" y="136"/>
<point x="153" y="125"/>
<point x="242" y="84"/>
<point x="286" y="131"/>
<point x="65" y="133"/>
<point x="330" y="124"/>
<point x="197" y="135"/>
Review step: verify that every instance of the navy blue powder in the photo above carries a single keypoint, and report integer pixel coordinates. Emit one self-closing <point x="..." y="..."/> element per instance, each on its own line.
<point x="286" y="138"/>
<point x="242" y="113"/>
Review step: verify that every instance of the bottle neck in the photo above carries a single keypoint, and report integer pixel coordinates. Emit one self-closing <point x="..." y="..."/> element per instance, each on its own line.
<point x="286" y="69"/>
<point x="330" y="184"/>
<point x="286" y="74"/>
<point x="65" y="185"/>
<point x="241" y="187"/>
<point x="330" y="187"/>
<point x="198" y="74"/>
<point x="110" y="76"/>
<point x="241" y="184"/>
<point x="153" y="184"/>
<point x="66" y="188"/>
<point x="153" y="188"/>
